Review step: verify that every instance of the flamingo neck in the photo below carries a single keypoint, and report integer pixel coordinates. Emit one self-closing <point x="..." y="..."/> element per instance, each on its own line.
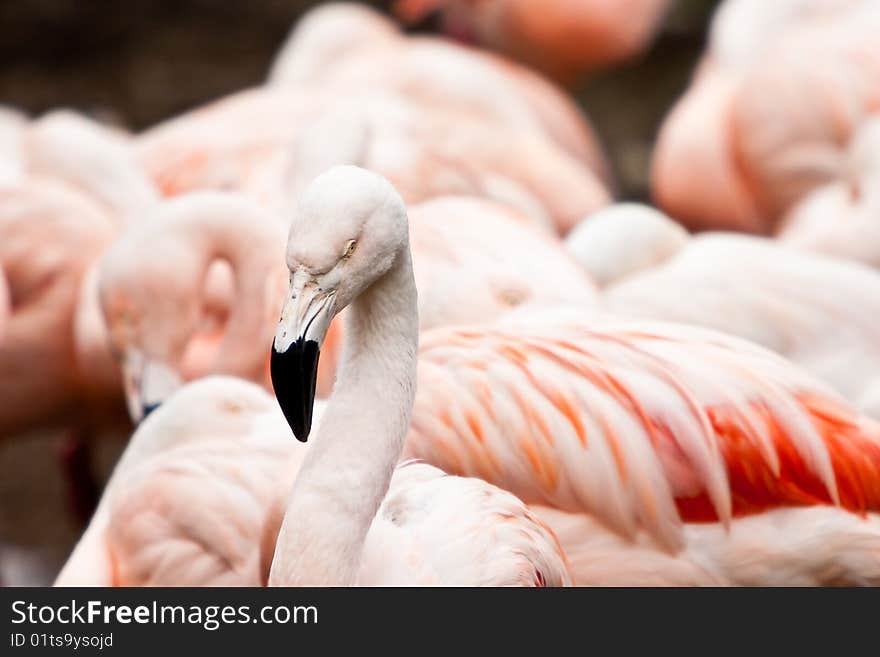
<point x="359" y="441"/>
<point x="247" y="244"/>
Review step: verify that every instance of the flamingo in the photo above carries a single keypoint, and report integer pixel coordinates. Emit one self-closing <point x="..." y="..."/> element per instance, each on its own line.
<point x="50" y="235"/>
<point x="100" y="163"/>
<point x="196" y="498"/>
<point x="92" y="158"/>
<point x="774" y="102"/>
<point x="255" y="141"/>
<point x="431" y="154"/>
<point x="346" y="48"/>
<point x="659" y="453"/>
<point x="623" y="239"/>
<point x="842" y="218"/>
<point x="170" y="326"/>
<point x="476" y="260"/>
<point x="815" y="311"/>
<point x="201" y="300"/>
<point x="70" y="155"/>
<point x="354" y="515"/>
<point x="562" y="38"/>
<point x="714" y="459"/>
<point x="198" y="495"/>
<point x="76" y="186"/>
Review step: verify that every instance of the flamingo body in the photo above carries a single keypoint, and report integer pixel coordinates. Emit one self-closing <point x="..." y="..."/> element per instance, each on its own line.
<point x="649" y="430"/>
<point x="562" y="38"/>
<point x="195" y="499"/>
<point x="770" y="111"/>
<point x="811" y="309"/>
<point x="51" y="234"/>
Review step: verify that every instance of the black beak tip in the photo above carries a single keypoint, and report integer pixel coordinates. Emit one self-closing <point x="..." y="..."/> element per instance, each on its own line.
<point x="147" y="409"/>
<point x="294" y="378"/>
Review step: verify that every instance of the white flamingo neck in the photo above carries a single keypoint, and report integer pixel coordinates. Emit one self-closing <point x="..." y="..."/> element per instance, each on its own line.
<point x="346" y="474"/>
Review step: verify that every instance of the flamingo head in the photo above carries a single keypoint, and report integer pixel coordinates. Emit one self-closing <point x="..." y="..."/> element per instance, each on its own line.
<point x="348" y="230"/>
<point x="149" y="313"/>
<point x="185" y="293"/>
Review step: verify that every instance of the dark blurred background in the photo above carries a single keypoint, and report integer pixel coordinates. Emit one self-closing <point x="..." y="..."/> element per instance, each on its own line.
<point x="140" y="61"/>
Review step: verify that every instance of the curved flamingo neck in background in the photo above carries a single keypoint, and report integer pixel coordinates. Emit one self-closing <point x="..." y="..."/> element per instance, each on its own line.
<point x="347" y="471"/>
<point x="250" y="244"/>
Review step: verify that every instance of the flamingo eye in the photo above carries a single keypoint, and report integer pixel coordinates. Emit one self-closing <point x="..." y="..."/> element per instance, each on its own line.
<point x="349" y="248"/>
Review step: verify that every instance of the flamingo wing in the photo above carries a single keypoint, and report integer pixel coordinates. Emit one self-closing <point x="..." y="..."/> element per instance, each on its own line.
<point x="645" y="426"/>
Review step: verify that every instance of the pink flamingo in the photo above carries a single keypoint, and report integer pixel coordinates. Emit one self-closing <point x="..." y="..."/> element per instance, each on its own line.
<point x="346" y="48"/>
<point x="562" y="38"/>
<point x="395" y="138"/>
<point x="378" y="523"/>
<point x="659" y="454"/>
<point x="842" y="218"/>
<point x="437" y="120"/>
<point x="811" y="309"/>
<point x="473" y="261"/>
<point x="771" y="108"/>
<point x="50" y="236"/>
<point x="476" y="260"/>
<point x="196" y="498"/>
<point x="76" y="185"/>
<point x="97" y="160"/>
<point x="201" y="300"/>
<point x="255" y="141"/>
<point x="715" y="455"/>
<point x="215" y="450"/>
<point x="715" y="459"/>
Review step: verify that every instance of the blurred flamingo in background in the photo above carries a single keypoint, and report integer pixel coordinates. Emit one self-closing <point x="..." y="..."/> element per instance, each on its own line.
<point x="563" y="38"/>
<point x="842" y="218"/>
<point x="202" y="299"/>
<point x="76" y="185"/>
<point x="432" y="154"/>
<point x="814" y="310"/>
<point x="97" y="160"/>
<point x="434" y="118"/>
<point x="426" y="153"/>
<point x="50" y="236"/>
<point x="623" y="239"/>
<point x="346" y="49"/>
<point x="772" y="106"/>
<point x="196" y="498"/>
<point x="476" y="260"/>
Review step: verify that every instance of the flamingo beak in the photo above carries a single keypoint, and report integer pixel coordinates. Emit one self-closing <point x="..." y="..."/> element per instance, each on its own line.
<point x="147" y="384"/>
<point x="305" y="319"/>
